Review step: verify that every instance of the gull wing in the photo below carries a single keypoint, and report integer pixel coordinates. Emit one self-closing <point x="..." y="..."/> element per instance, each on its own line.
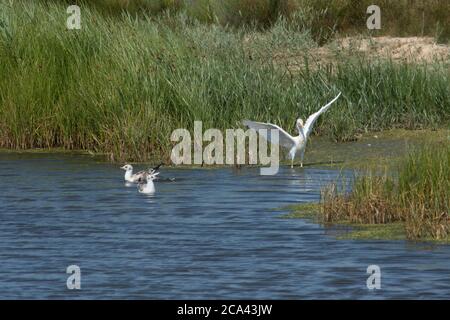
<point x="285" y="139"/>
<point x="312" y="118"/>
<point x="153" y="176"/>
<point x="139" y="176"/>
<point x="152" y="170"/>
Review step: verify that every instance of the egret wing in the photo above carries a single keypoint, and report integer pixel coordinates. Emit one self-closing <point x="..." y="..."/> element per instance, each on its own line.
<point x="312" y="118"/>
<point x="285" y="139"/>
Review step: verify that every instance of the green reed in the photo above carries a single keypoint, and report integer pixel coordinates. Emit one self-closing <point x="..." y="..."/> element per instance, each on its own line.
<point x="123" y="83"/>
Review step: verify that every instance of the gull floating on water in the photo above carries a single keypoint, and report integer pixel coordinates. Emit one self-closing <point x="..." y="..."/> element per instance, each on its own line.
<point x="148" y="187"/>
<point x="294" y="144"/>
<point x="139" y="176"/>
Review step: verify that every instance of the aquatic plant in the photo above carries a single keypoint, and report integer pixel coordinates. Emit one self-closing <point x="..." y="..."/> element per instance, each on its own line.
<point x="415" y="192"/>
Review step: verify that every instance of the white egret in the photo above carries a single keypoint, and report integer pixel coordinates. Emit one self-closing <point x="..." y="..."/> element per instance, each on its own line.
<point x="294" y="144"/>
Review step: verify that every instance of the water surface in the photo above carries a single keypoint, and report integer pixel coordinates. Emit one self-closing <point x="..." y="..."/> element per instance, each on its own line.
<point x="211" y="234"/>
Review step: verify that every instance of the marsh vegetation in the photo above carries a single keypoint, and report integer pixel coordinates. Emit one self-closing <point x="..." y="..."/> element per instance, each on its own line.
<point x="408" y="198"/>
<point x="125" y="81"/>
<point x="322" y="18"/>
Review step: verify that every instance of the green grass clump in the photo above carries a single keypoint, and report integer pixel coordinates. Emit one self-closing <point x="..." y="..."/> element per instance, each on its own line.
<point x="416" y="194"/>
<point x="124" y="82"/>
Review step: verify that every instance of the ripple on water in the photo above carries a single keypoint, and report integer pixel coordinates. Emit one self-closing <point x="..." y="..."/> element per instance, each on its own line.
<point x="210" y="234"/>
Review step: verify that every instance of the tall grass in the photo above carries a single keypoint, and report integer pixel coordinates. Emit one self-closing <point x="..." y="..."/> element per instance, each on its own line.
<point x="323" y="18"/>
<point x="121" y="84"/>
<point x="415" y="193"/>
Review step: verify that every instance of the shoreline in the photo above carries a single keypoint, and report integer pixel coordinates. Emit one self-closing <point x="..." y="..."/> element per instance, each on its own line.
<point x="345" y="230"/>
<point x="371" y="148"/>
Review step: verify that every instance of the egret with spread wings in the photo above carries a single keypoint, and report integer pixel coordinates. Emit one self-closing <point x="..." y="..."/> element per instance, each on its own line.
<point x="294" y="144"/>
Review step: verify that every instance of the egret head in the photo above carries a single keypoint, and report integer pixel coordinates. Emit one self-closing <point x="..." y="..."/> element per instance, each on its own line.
<point x="127" y="167"/>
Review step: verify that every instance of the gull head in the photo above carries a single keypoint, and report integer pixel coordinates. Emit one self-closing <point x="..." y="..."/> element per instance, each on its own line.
<point x="299" y="123"/>
<point x="127" y="167"/>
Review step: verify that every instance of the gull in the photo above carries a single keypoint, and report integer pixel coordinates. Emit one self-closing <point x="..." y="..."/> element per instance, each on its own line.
<point x="139" y="176"/>
<point x="153" y="170"/>
<point x="294" y="144"/>
<point x="148" y="187"/>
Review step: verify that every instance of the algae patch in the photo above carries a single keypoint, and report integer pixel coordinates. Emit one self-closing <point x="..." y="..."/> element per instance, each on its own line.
<point x="344" y="229"/>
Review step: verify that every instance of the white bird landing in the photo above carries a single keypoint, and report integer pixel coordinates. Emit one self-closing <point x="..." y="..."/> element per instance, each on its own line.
<point x="148" y="187"/>
<point x="139" y="176"/>
<point x="294" y="144"/>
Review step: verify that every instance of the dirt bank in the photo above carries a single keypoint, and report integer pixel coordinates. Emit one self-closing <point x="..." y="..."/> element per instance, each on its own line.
<point x="408" y="50"/>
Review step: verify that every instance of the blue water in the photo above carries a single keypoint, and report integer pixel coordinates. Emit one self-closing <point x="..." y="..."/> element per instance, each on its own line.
<point x="210" y="234"/>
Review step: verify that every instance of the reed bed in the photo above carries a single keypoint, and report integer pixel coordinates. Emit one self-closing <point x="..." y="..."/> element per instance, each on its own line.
<point x="415" y="193"/>
<point x="124" y="82"/>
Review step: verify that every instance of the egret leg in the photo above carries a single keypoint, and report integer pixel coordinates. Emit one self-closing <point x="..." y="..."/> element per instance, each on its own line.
<point x="301" y="157"/>
<point x="292" y="154"/>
